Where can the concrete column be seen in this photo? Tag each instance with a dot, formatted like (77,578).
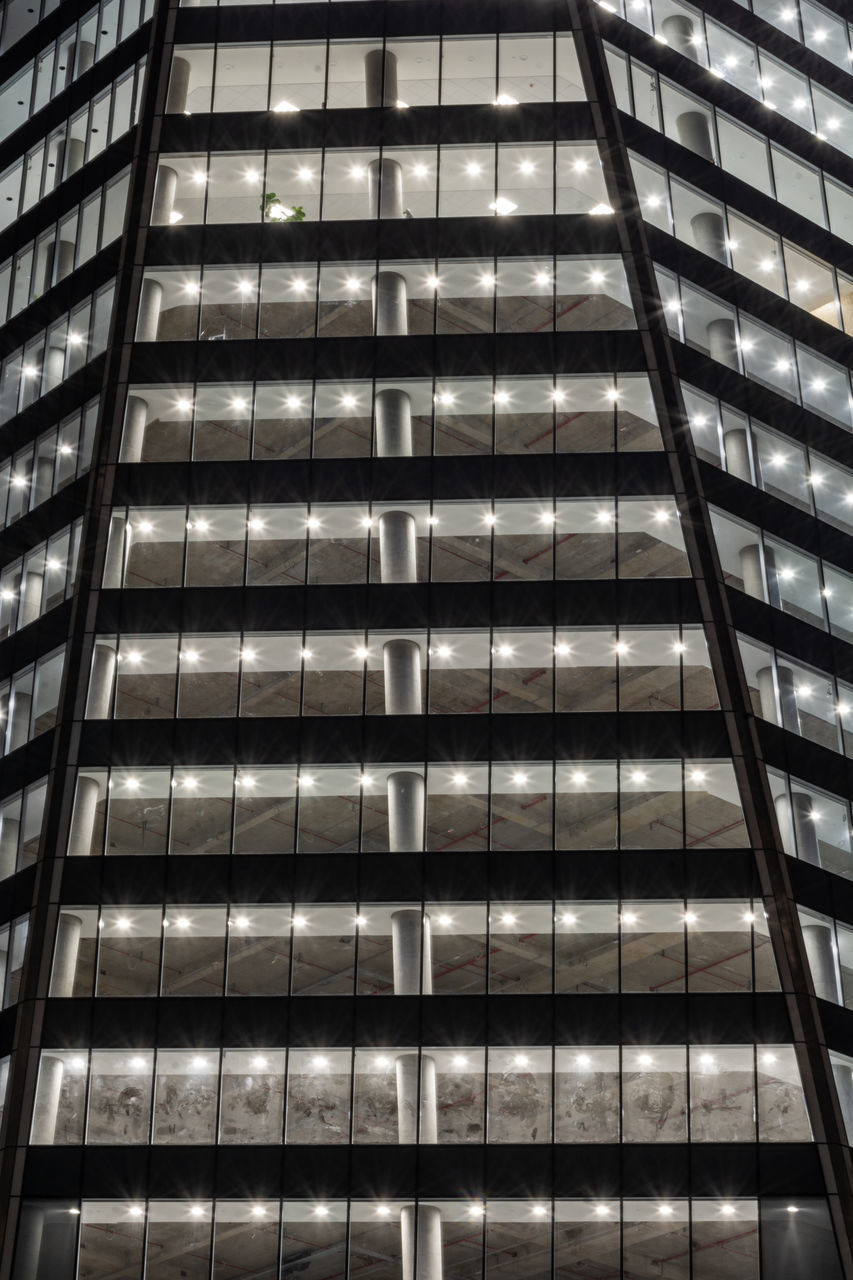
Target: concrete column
(694,131)
(380,79)
(54,367)
(799,832)
(393,417)
(64,259)
(102,681)
(722,342)
(10,832)
(70,156)
(165,186)
(179,84)
(405,811)
(398,547)
(385,189)
(118,547)
(85,57)
(788,698)
(83,819)
(135,422)
(19,719)
(32,591)
(150,302)
(678,30)
(390,319)
(420,1232)
(68,933)
(736,445)
(402,662)
(767,694)
(411,949)
(821,957)
(774,593)
(47,1101)
(844,1084)
(709,234)
(407,1099)
(751,571)
(28,1242)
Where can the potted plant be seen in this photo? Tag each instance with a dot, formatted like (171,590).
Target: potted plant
(274,211)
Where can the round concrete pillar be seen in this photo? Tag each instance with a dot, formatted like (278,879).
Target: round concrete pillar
(405,811)
(32,593)
(413,1096)
(102,682)
(135,422)
(736,445)
(411,950)
(788,698)
(678,30)
(28,1242)
(797,827)
(380,79)
(85,56)
(402,663)
(722,342)
(179,84)
(751,571)
(20,710)
(385,189)
(393,416)
(118,547)
(767,694)
(420,1238)
(844,1084)
(82,828)
(68,933)
(398,547)
(165,186)
(10,833)
(54,367)
(47,1101)
(821,957)
(390,319)
(709,234)
(70,156)
(694,131)
(150,302)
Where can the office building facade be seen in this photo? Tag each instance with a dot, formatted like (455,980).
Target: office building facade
(425,615)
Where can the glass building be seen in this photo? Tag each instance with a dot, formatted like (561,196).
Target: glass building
(425,809)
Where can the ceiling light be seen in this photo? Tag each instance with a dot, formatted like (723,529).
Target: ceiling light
(503,205)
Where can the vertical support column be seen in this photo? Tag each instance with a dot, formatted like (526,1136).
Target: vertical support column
(118,549)
(411,950)
(709,234)
(83,819)
(722,342)
(32,593)
(85,57)
(165,186)
(47,1100)
(54,366)
(787,715)
(179,85)
(820,951)
(752,572)
(407,1099)
(393,421)
(420,1229)
(380,79)
(64,254)
(694,132)
(135,422)
(398,555)
(10,834)
(20,711)
(390,319)
(68,933)
(402,665)
(100,701)
(405,811)
(736,445)
(678,31)
(28,1242)
(150,302)
(797,826)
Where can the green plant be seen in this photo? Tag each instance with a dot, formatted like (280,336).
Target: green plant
(273,209)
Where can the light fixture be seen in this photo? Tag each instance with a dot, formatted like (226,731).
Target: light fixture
(503,205)
(727,1210)
(304,174)
(791,1208)
(539,1211)
(601,1210)
(321,1210)
(459,779)
(505,100)
(199,1063)
(319,1061)
(459,1060)
(666,1210)
(508,918)
(285,108)
(182,922)
(521,1060)
(382,1062)
(432,282)
(527,167)
(473,169)
(122,922)
(420,170)
(258,1211)
(583,1059)
(305,780)
(259,1062)
(445,920)
(136,1211)
(382,1210)
(637,775)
